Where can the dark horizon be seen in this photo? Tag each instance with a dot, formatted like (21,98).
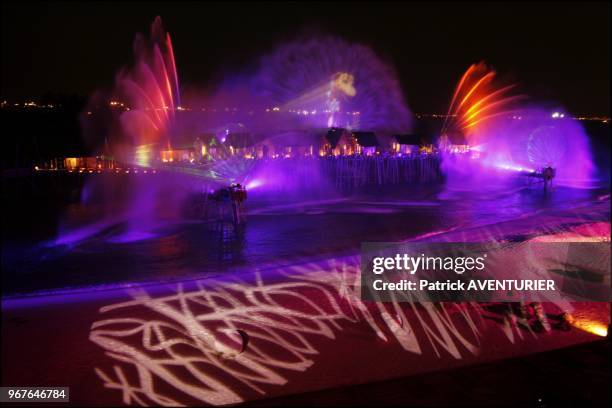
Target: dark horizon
(556,52)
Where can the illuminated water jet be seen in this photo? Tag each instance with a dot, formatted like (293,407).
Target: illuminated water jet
(142,106)
(476,99)
(150,89)
(507,141)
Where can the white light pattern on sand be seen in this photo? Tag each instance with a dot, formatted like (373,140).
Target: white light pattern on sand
(250,332)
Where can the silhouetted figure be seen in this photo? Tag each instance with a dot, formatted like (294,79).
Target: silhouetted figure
(238,196)
(548,174)
(234,197)
(532,315)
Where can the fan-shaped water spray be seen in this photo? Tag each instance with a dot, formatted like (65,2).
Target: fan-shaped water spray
(150,89)
(324,81)
(537,140)
(144,99)
(507,141)
(477,98)
(546,146)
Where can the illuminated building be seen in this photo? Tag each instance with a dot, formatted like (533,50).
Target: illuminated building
(341,142)
(178,154)
(88,163)
(367,143)
(406,144)
(240,144)
(411,144)
(453,143)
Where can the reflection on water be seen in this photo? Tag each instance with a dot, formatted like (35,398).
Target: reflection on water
(100,253)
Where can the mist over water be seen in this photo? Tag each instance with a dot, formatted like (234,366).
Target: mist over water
(321,73)
(509,140)
(506,150)
(141,121)
(297,91)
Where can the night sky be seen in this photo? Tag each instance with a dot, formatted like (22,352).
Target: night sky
(555,51)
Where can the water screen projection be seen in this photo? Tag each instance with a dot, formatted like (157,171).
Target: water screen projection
(298,91)
(325,81)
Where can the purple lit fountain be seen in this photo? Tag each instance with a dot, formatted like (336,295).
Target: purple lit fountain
(534,138)
(304,88)
(324,81)
(489,141)
(289,133)
(143,105)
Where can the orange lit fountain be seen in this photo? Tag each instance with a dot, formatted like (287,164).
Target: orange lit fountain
(476,99)
(150,89)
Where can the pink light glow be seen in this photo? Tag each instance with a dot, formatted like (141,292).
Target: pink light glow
(151,91)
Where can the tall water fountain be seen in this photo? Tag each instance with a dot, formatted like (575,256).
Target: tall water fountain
(509,141)
(143,101)
(150,89)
